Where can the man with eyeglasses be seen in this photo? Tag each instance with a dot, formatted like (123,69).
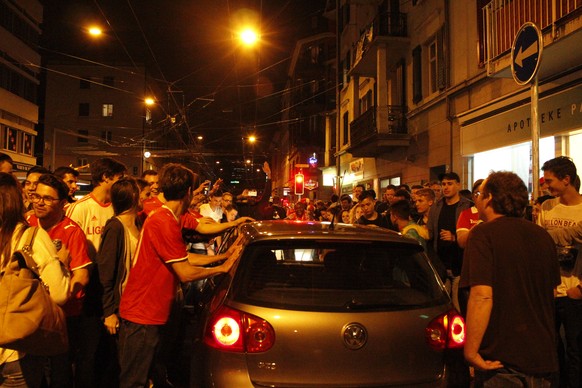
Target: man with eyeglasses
(49,200)
(30,182)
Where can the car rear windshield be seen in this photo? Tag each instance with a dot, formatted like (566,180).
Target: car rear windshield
(337,276)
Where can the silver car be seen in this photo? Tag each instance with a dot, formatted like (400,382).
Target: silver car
(311,304)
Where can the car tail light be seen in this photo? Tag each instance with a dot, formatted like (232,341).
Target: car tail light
(232,330)
(447,331)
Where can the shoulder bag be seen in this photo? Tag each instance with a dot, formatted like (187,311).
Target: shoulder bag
(30,321)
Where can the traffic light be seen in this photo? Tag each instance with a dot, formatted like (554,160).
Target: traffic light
(299,184)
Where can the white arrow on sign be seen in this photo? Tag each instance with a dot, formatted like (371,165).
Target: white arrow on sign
(523,54)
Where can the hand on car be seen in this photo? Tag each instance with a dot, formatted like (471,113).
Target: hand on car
(242,220)
(478,362)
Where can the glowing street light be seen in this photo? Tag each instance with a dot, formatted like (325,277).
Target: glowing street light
(149,101)
(252,139)
(249,37)
(95,31)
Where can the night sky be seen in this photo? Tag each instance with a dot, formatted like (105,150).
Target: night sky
(191,46)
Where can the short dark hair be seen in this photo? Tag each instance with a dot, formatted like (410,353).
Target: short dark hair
(476,185)
(401,209)
(416,187)
(450,176)
(346,197)
(37,170)
(402,193)
(105,168)
(368,194)
(56,183)
(362,186)
(404,186)
(561,167)
(176,180)
(64,170)
(5,158)
(142,183)
(391,187)
(149,172)
(509,196)
(124,195)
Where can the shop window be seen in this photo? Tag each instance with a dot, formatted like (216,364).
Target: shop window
(107,110)
(84,109)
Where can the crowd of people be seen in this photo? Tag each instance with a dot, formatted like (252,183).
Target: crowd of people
(133,247)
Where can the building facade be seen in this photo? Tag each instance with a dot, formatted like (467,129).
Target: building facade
(20,64)
(95,111)
(425,87)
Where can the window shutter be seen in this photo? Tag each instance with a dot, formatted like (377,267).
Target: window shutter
(416,75)
(441,60)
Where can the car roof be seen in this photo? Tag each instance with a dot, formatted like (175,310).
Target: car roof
(309,230)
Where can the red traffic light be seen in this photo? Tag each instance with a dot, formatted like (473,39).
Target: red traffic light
(299,184)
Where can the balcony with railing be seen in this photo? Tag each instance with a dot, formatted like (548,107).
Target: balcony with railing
(389,30)
(559,20)
(369,138)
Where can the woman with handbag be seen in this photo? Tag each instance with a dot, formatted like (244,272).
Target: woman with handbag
(35,248)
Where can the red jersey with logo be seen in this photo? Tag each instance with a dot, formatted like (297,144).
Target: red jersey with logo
(91,215)
(152,284)
(468,219)
(67,234)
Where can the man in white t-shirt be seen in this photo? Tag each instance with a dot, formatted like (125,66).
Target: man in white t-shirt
(563,211)
(213,209)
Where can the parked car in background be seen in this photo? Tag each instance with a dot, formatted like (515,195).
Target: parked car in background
(311,304)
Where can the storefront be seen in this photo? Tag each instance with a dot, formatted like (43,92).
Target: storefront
(498,136)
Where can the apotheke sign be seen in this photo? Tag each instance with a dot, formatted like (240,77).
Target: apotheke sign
(558,113)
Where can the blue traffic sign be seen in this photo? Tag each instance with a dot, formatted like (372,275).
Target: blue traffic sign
(526,53)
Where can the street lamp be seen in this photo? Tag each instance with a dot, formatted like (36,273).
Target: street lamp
(95,31)
(249,37)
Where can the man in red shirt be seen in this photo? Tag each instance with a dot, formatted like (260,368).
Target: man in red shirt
(49,200)
(161,262)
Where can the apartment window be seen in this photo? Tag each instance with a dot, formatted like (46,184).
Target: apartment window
(106,135)
(84,83)
(84,138)
(416,75)
(84,109)
(82,163)
(346,128)
(11,140)
(27,143)
(107,110)
(109,81)
(432,66)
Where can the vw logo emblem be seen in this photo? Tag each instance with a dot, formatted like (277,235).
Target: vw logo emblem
(355,336)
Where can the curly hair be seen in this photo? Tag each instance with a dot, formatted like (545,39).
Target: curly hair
(509,195)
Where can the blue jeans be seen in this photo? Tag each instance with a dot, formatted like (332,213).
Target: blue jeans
(137,347)
(510,378)
(569,315)
(25,373)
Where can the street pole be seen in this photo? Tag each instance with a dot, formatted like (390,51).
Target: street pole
(535,139)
